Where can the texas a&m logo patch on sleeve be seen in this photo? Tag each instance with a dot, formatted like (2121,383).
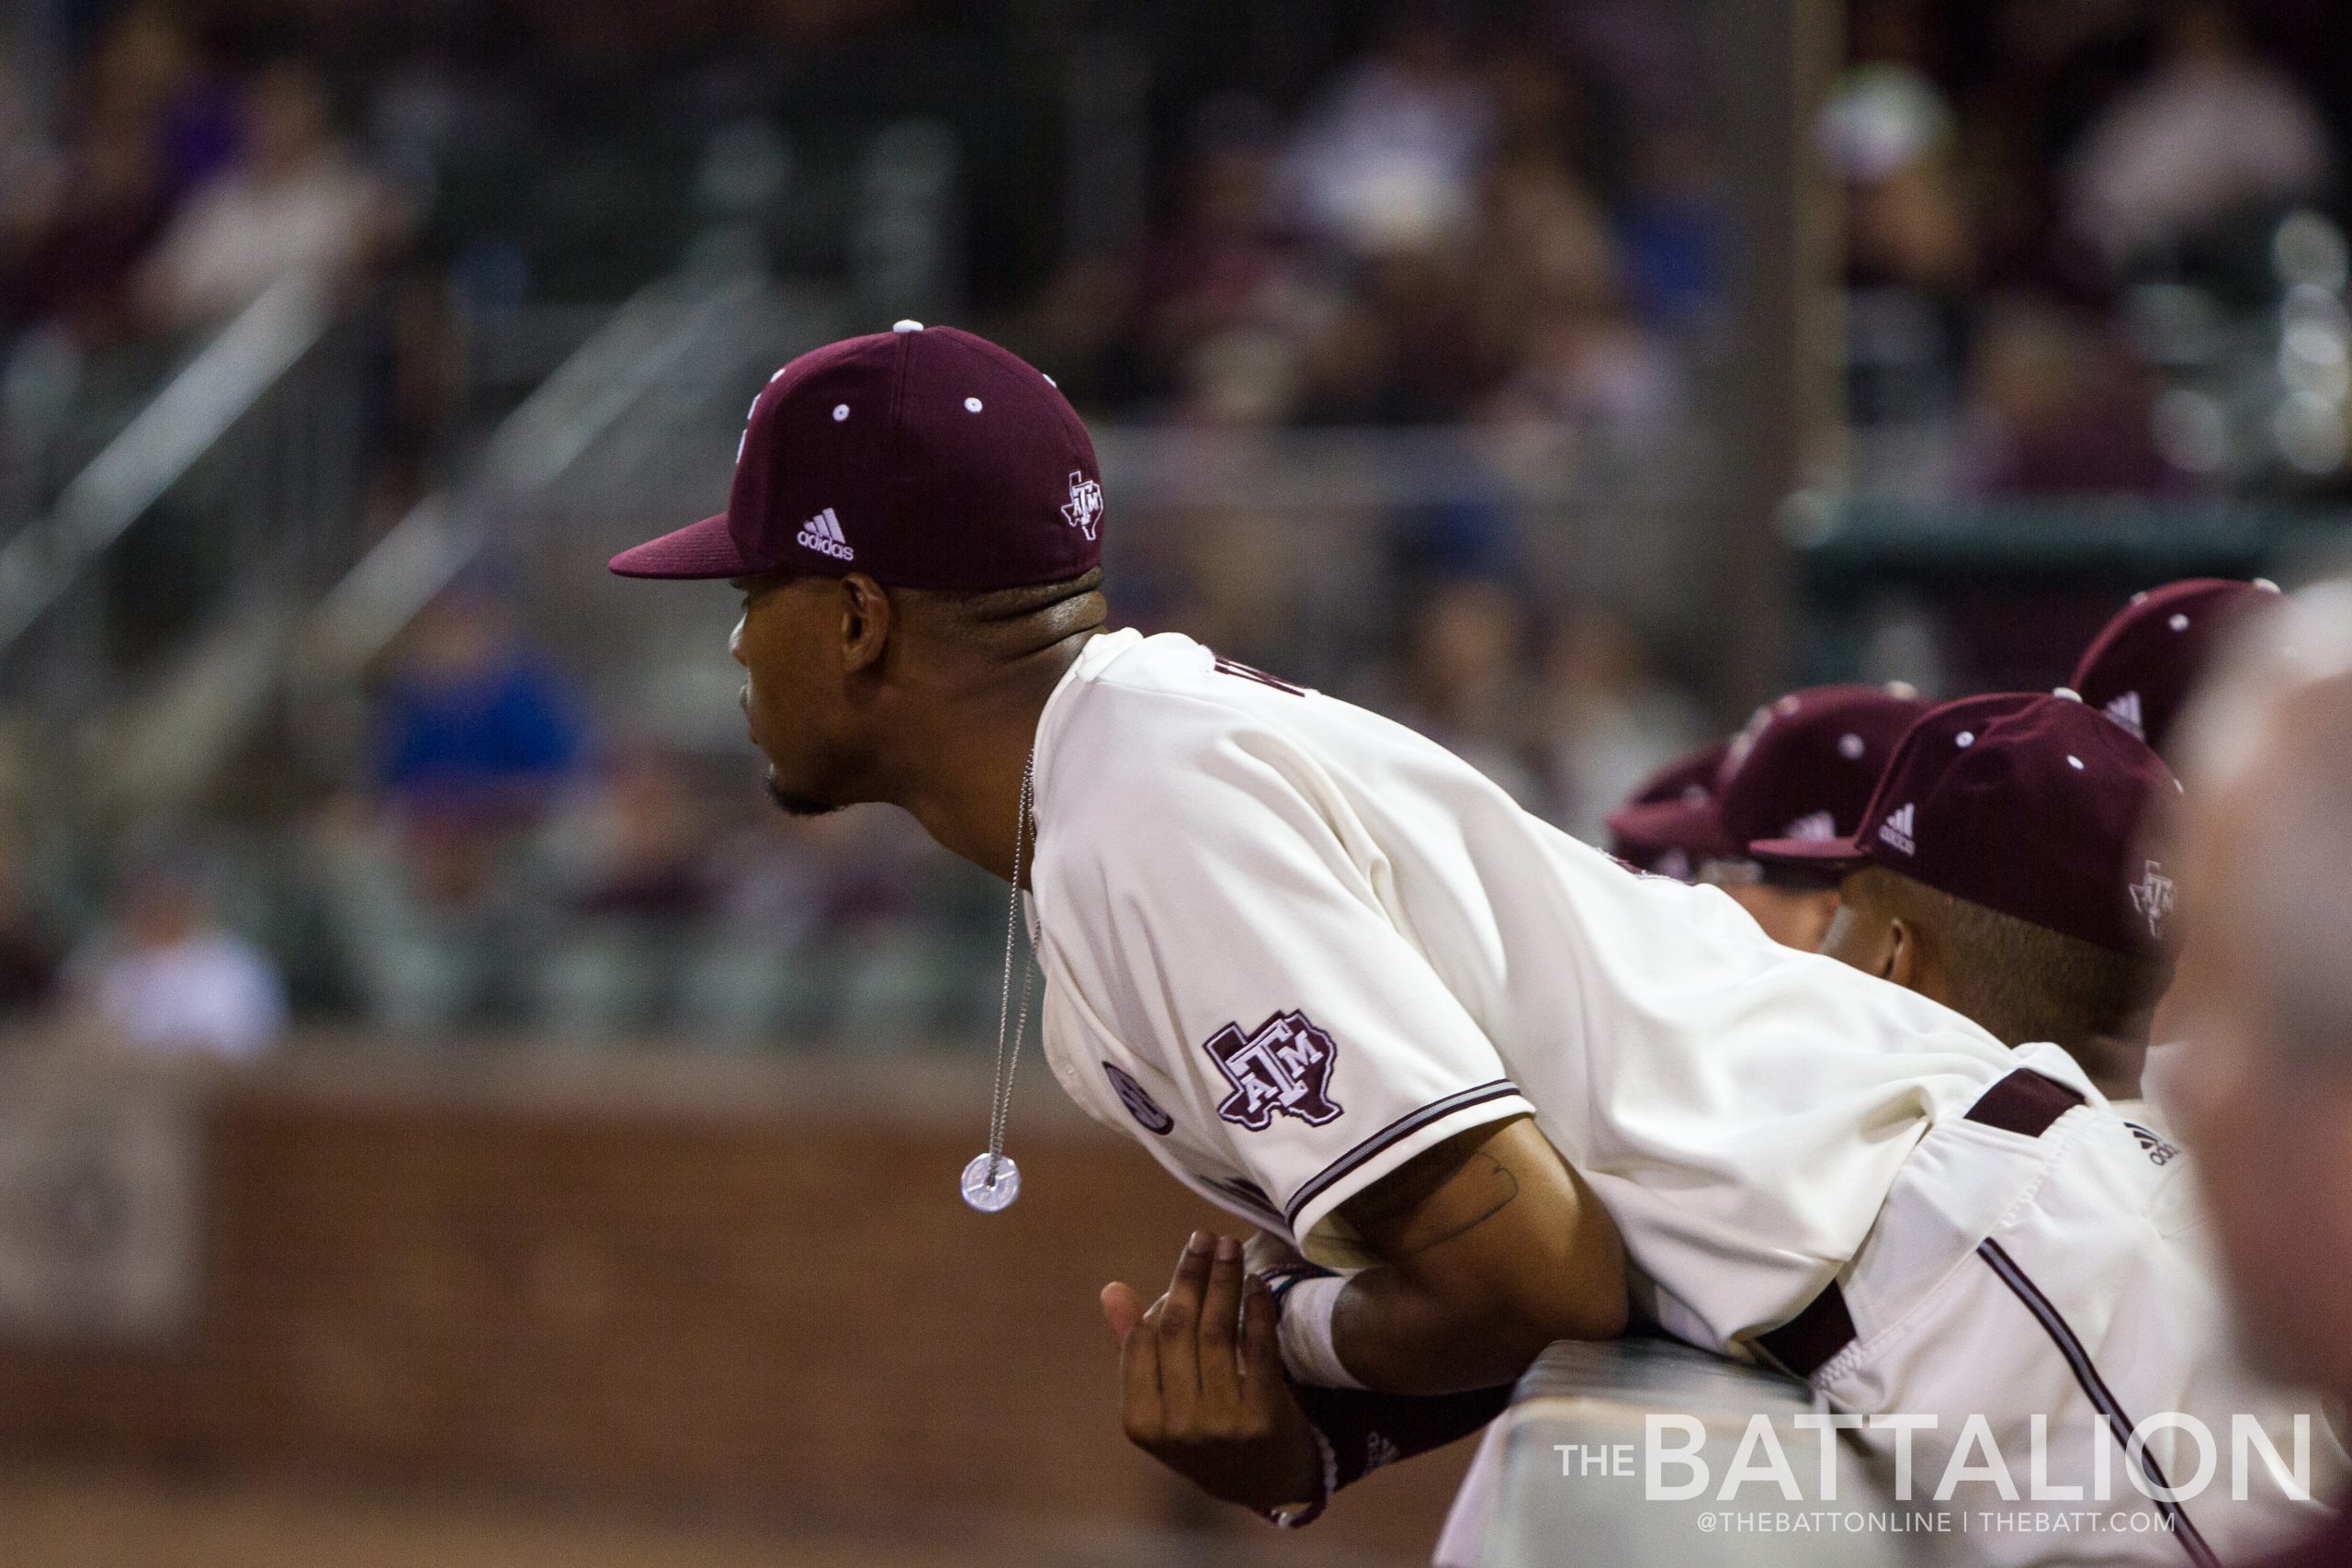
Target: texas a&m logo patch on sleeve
(1283,1064)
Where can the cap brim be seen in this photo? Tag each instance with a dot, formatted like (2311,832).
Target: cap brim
(704,549)
(1691,825)
(1821,854)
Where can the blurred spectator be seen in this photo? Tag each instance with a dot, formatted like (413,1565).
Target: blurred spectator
(1890,133)
(2212,131)
(2059,405)
(293,202)
(474,722)
(633,873)
(837,926)
(1550,302)
(1611,721)
(1402,349)
(1892,137)
(72,262)
(1674,231)
(1213,266)
(439,917)
(1466,685)
(442,893)
(169,978)
(1386,159)
(637,847)
(148,64)
(29,956)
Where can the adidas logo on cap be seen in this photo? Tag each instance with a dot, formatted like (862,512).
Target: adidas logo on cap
(1897,829)
(822,533)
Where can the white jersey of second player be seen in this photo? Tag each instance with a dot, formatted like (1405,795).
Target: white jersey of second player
(1289,944)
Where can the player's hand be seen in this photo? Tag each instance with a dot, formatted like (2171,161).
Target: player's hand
(1203,1386)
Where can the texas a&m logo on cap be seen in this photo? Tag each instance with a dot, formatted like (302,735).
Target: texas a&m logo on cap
(1084,512)
(1283,1064)
(2151,897)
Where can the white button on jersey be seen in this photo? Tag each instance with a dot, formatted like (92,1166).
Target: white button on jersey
(1289,944)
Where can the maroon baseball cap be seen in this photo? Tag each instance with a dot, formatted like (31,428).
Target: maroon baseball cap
(2033,805)
(1683,782)
(923,457)
(2140,669)
(1802,767)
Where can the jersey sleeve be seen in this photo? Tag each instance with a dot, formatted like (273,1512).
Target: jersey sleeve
(1233,926)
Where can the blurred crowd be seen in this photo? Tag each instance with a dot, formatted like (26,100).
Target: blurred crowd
(179,195)
(2087,248)
(511,860)
(175,190)
(2093,248)
(1484,218)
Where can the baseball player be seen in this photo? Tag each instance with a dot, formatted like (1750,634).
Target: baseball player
(2143,665)
(1802,767)
(1686,781)
(2141,670)
(2265,989)
(2015,888)
(1341,985)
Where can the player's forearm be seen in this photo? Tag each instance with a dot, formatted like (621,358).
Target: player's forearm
(1396,1333)
(1493,1249)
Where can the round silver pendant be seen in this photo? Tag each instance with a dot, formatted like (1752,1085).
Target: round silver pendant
(991,1196)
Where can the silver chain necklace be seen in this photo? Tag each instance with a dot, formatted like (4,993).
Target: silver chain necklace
(991,1181)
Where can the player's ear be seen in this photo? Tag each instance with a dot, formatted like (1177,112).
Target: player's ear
(1901,963)
(864,623)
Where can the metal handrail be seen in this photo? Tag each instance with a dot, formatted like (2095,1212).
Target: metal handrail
(178,425)
(441,534)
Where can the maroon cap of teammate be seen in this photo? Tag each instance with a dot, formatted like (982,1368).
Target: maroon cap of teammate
(1803,767)
(2032,806)
(922,456)
(1686,781)
(2140,669)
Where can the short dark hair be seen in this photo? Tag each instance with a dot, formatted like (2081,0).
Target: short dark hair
(2019,981)
(995,606)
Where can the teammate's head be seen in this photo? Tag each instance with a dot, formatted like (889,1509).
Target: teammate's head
(2020,982)
(2000,869)
(1687,781)
(915,517)
(2263,1090)
(1802,767)
(2143,665)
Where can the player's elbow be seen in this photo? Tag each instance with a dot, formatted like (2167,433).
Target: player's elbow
(1584,1298)
(1575,1294)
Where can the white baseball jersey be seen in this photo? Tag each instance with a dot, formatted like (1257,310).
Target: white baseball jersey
(1288,944)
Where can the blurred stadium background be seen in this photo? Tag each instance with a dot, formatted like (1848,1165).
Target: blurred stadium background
(446,1117)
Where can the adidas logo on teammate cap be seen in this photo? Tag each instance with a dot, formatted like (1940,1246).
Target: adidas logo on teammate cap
(822,533)
(1896,830)
(2125,711)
